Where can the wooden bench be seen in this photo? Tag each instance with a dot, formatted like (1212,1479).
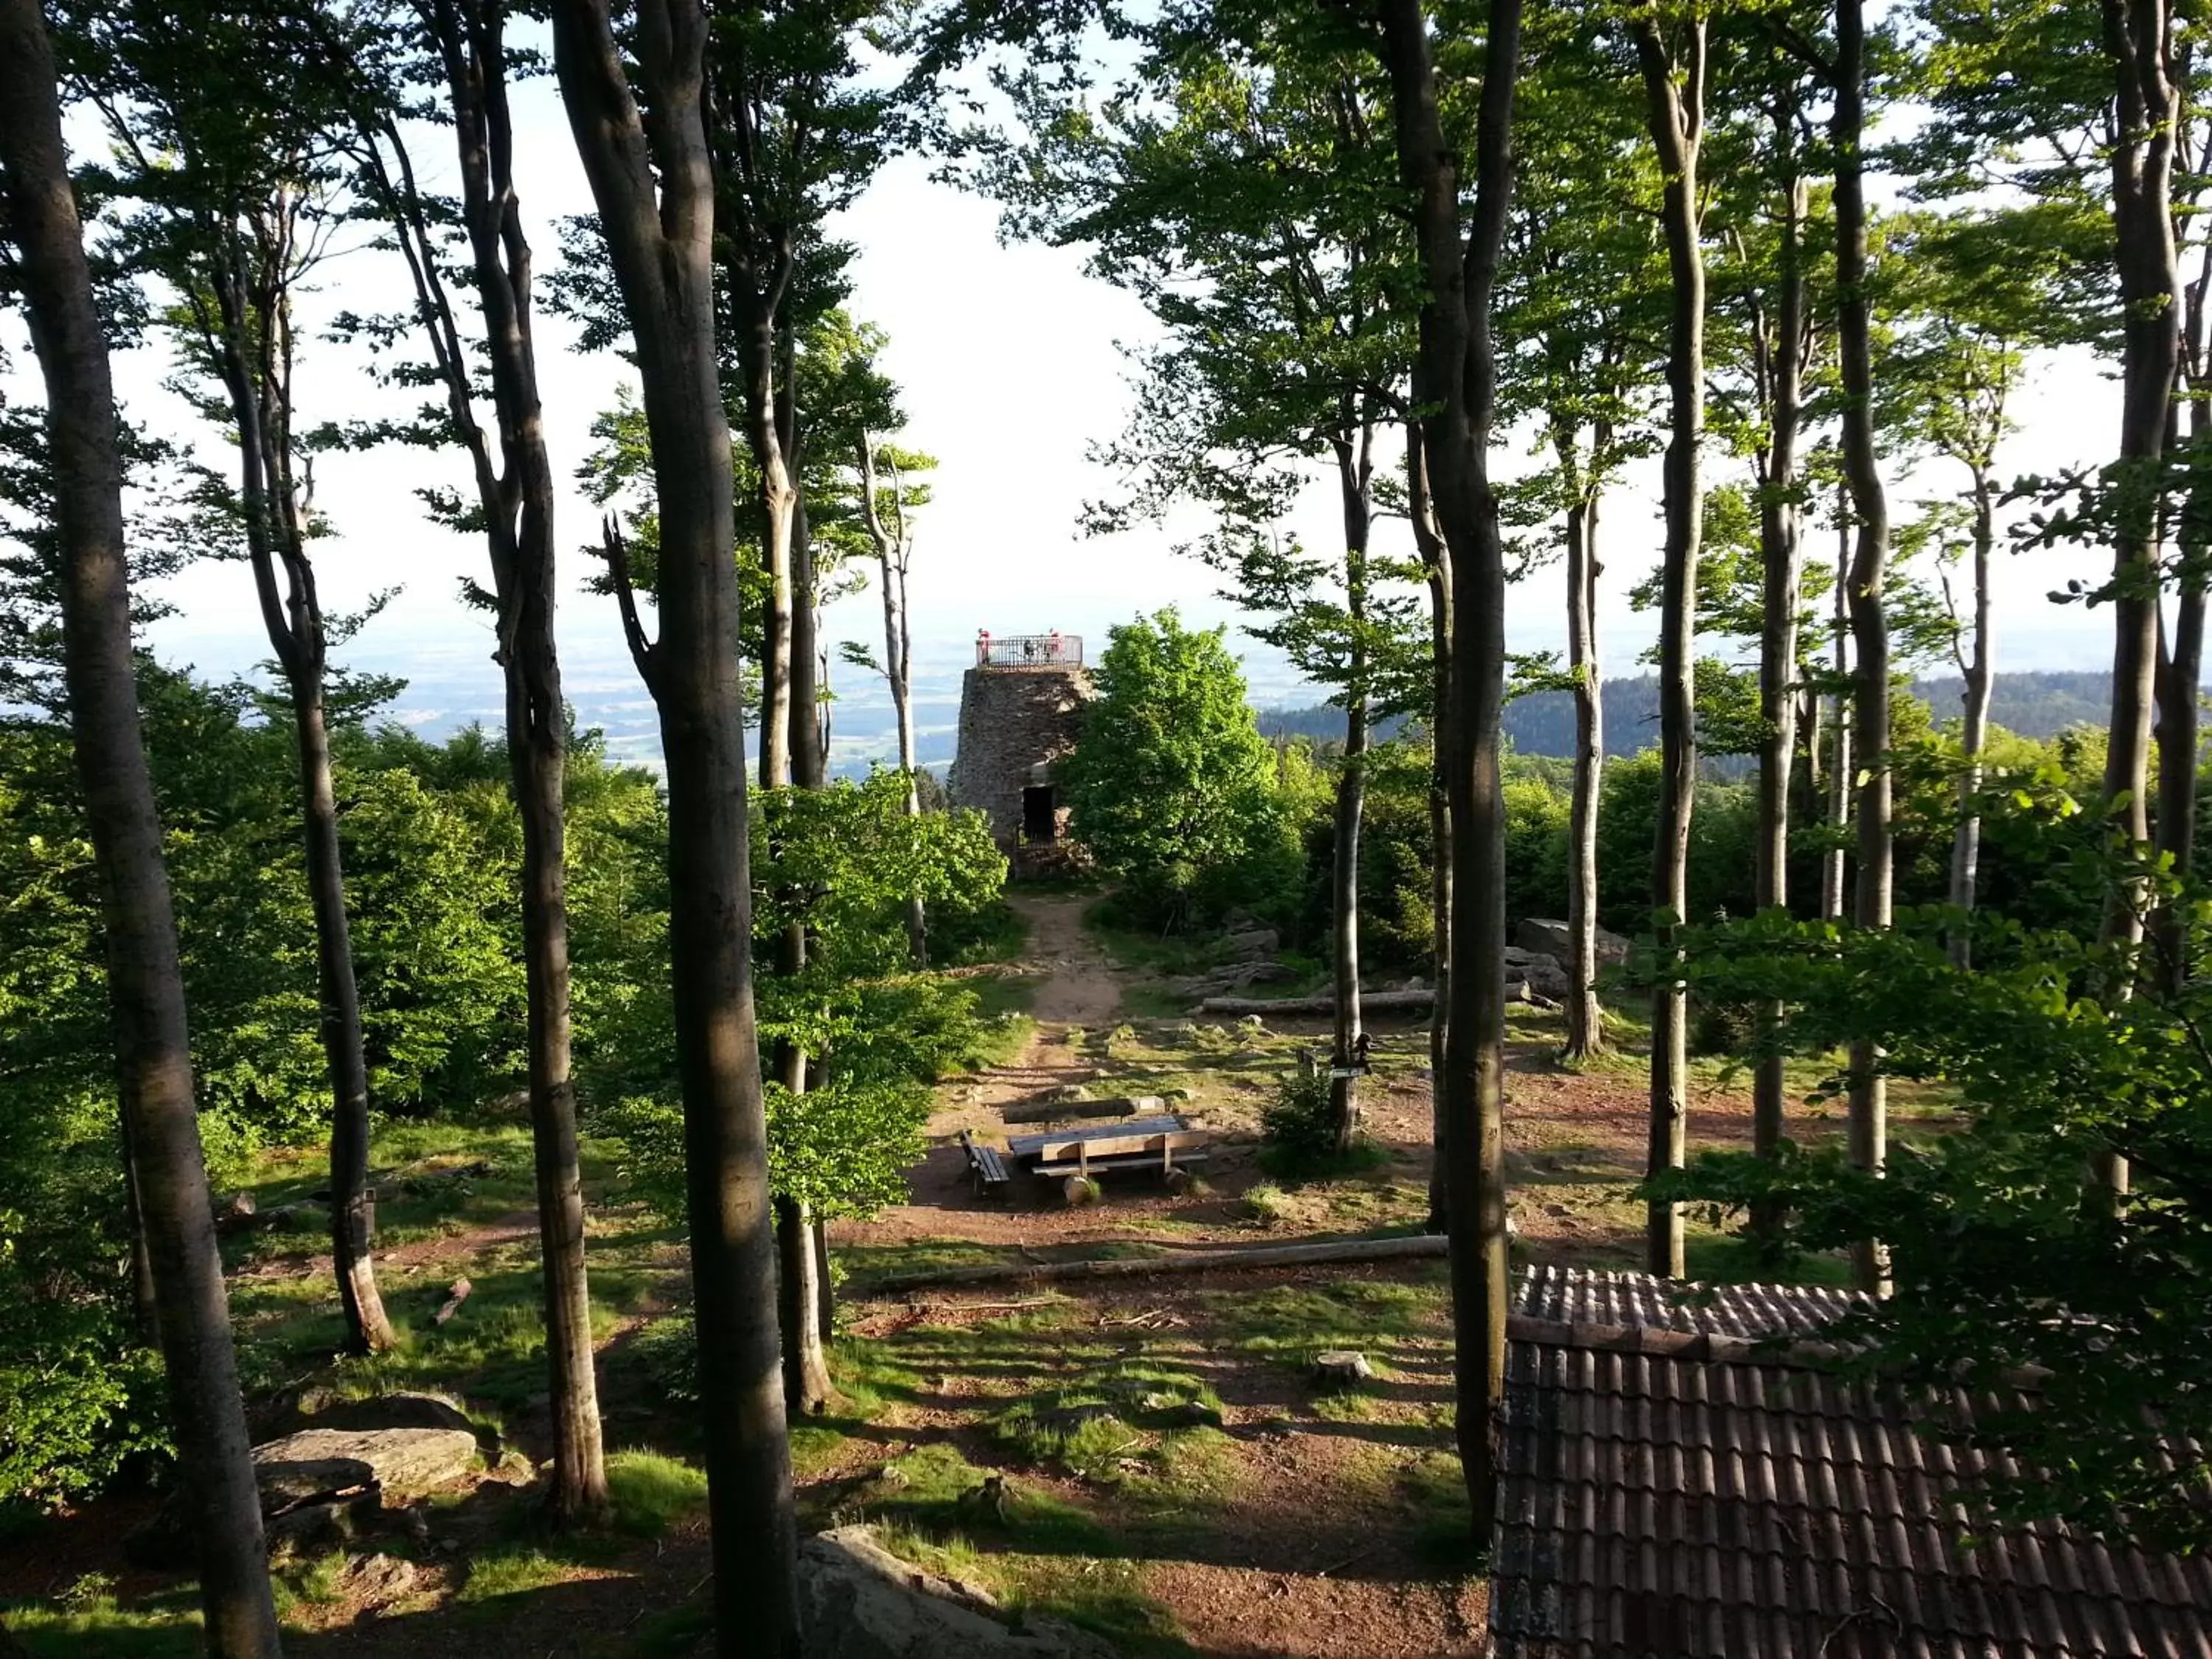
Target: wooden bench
(985,1167)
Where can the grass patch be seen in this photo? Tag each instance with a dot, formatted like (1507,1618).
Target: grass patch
(648,1492)
(1715,1258)
(515,1571)
(102,1627)
(1293,1323)
(1096,1422)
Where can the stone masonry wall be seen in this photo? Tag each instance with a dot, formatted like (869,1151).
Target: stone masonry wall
(1011,721)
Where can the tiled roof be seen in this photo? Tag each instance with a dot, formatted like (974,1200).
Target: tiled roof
(1690,1498)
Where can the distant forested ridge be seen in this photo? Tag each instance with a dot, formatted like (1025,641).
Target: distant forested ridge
(2032,705)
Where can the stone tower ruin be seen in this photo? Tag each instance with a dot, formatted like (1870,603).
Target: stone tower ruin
(1020,709)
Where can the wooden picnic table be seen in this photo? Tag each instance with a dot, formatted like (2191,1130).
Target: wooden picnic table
(1099,1140)
(1151,1142)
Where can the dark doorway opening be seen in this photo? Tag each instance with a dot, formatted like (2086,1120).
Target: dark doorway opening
(1040,814)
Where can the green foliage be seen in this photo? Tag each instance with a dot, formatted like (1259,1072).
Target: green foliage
(1299,1127)
(1172,786)
(1989,1227)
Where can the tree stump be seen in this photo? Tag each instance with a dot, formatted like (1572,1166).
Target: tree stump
(1341,1368)
(1080,1190)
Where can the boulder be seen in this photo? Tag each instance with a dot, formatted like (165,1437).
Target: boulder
(1542,974)
(858,1600)
(1545,936)
(1252,944)
(318,1460)
(414,1409)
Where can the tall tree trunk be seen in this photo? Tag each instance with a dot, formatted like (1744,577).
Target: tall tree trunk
(145,981)
(1875,846)
(253,341)
(1676,112)
(1456,383)
(353,1209)
(806,1387)
(1351,799)
(2180,732)
(1835,865)
(516,501)
(767,395)
(2138,39)
(1585,1016)
(656,198)
(1974,728)
(1782,577)
(1421,510)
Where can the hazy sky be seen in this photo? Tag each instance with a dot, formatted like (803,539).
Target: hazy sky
(1008,360)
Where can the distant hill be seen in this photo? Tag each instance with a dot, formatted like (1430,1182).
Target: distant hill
(2034,705)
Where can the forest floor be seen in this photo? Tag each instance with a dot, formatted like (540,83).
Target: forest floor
(1225,1507)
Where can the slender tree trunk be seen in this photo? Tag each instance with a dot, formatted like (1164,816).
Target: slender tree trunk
(655,197)
(2138,39)
(891,560)
(1782,577)
(810,765)
(1677,116)
(353,1208)
(1835,866)
(145,980)
(517,507)
(1974,729)
(806,1387)
(1869,1127)
(766,393)
(2180,731)
(1585,1016)
(1422,512)
(1454,381)
(255,360)
(145,1303)
(1351,805)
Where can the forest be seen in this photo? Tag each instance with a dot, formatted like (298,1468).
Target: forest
(1515,1159)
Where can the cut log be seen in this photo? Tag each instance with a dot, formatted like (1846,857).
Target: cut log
(1052,1111)
(1273,1255)
(1370,1002)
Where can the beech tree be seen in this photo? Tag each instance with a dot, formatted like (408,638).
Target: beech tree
(39,217)
(1961,355)
(513,500)
(1578,293)
(222,128)
(655,192)
(1870,691)
(1461,246)
(1671,52)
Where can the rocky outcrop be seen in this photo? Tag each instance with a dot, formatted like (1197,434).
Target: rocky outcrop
(858,1600)
(1545,936)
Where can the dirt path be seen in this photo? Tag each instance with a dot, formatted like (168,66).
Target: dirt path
(1079,987)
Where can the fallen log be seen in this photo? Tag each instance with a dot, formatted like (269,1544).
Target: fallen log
(1052,1111)
(1370,1002)
(1198,1262)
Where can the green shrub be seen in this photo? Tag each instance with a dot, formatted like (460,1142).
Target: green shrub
(1299,1123)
